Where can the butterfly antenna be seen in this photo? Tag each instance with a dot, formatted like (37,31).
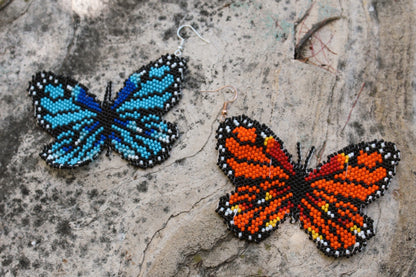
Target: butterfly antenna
(108,151)
(107,96)
(308,159)
(299,154)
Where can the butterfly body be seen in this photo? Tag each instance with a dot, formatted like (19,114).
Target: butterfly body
(327,201)
(296,184)
(131,123)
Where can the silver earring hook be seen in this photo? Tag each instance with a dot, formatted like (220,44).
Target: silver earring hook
(226,103)
(178,52)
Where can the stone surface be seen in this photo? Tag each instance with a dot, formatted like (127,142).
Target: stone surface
(111,219)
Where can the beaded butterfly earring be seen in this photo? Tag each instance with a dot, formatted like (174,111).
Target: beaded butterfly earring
(327,201)
(130,124)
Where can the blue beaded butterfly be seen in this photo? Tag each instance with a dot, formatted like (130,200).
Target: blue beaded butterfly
(131,124)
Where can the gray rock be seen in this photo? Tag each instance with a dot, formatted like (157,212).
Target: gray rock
(111,219)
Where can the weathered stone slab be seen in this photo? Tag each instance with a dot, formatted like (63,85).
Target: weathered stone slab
(355,82)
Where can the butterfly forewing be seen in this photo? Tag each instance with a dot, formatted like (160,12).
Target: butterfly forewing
(66,110)
(138,132)
(256,163)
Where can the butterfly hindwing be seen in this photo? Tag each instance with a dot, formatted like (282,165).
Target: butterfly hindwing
(259,167)
(332,210)
(138,132)
(66,110)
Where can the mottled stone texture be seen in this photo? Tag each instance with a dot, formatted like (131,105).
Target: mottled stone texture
(111,219)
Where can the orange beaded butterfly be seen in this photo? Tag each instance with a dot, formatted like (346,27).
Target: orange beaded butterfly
(327,201)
